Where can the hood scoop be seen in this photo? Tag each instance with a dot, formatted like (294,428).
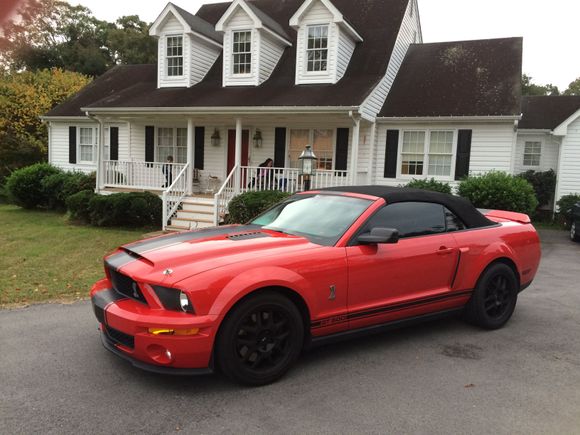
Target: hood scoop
(248,236)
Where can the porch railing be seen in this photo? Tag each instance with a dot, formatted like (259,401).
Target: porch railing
(174,195)
(253,178)
(140,175)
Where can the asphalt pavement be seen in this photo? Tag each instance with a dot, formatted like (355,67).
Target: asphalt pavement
(436,378)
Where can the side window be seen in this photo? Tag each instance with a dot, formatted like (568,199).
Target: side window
(410,218)
(452,222)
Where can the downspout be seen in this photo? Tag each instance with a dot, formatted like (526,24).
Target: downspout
(356,118)
(99,151)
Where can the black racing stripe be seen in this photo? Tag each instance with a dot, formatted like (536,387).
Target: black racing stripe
(101,300)
(119,260)
(161,242)
(390,308)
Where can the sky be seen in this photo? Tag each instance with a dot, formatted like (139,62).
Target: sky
(551,29)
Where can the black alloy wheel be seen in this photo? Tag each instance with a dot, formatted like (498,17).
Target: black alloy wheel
(260,339)
(574,232)
(494,298)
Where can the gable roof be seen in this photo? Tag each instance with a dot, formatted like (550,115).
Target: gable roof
(379,23)
(192,23)
(547,112)
(463,78)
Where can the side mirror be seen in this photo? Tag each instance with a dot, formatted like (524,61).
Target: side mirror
(379,236)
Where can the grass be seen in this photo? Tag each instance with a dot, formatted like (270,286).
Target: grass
(44,257)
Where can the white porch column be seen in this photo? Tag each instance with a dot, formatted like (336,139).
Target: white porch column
(190,155)
(354,150)
(100,164)
(373,145)
(238,155)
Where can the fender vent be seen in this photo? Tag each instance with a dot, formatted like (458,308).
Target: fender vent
(248,236)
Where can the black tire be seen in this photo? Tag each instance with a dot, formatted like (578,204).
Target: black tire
(260,339)
(574,236)
(494,298)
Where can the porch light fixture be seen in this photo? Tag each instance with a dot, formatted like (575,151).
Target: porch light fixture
(307,165)
(216,140)
(258,139)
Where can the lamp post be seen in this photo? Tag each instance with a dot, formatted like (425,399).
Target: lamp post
(307,166)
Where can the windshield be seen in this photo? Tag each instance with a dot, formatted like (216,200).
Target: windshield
(323,219)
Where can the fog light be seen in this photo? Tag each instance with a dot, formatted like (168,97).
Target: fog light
(162,331)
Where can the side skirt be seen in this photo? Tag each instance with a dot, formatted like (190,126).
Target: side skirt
(377,329)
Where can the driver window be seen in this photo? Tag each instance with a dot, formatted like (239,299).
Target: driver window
(411,219)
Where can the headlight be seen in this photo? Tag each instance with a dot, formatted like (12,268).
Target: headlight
(174,299)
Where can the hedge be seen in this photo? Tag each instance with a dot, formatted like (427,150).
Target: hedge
(136,209)
(432,184)
(544,184)
(245,207)
(25,186)
(565,204)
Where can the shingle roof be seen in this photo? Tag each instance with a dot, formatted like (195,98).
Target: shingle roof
(199,25)
(463,78)
(547,113)
(378,22)
(268,21)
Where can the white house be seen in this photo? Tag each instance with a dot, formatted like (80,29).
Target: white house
(240,82)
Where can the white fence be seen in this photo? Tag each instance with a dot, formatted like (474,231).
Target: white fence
(140,175)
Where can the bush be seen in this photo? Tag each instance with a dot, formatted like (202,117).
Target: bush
(78,205)
(565,204)
(25,185)
(245,207)
(544,184)
(126,209)
(498,190)
(432,184)
(59,187)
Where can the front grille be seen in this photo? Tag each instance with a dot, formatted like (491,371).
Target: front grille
(126,286)
(119,337)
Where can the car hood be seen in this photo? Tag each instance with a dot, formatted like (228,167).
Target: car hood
(169,259)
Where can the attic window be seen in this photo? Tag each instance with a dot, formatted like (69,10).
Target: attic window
(242,51)
(174,56)
(317,50)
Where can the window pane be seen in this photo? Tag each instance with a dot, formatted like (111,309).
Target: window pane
(410,218)
(242,53)
(413,153)
(532,153)
(298,141)
(174,56)
(440,153)
(453,222)
(317,49)
(323,148)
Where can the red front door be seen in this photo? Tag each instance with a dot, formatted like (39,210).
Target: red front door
(232,148)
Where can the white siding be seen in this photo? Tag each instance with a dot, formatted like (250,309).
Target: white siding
(346,48)
(548,158)
(240,20)
(569,171)
(270,51)
(172,27)
(203,56)
(491,149)
(409,28)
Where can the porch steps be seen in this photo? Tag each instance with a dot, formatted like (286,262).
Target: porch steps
(196,212)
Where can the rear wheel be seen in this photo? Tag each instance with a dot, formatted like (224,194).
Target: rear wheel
(494,298)
(260,339)
(574,232)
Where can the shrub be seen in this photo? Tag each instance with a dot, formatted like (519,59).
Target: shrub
(565,204)
(59,187)
(498,190)
(544,184)
(126,209)
(245,207)
(432,184)
(3,194)
(25,185)
(78,205)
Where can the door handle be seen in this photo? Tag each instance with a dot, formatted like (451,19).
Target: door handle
(444,250)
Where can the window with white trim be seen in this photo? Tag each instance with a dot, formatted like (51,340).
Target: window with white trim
(172,142)
(427,153)
(87,144)
(242,52)
(317,49)
(322,142)
(532,153)
(174,56)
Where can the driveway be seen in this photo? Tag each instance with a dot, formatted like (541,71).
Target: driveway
(442,377)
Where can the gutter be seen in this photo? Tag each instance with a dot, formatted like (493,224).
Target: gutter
(484,118)
(222,110)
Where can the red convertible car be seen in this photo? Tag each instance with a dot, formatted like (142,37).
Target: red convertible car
(317,267)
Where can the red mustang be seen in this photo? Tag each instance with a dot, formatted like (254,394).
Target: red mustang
(320,266)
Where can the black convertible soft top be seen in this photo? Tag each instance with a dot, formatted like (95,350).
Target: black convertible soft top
(470,216)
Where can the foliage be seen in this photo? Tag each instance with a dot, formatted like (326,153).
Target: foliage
(544,184)
(78,205)
(126,210)
(498,190)
(566,202)
(531,89)
(25,186)
(245,207)
(573,88)
(17,152)
(129,42)
(59,187)
(432,184)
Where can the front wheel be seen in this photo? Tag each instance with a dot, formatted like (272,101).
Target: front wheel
(574,232)
(494,298)
(260,339)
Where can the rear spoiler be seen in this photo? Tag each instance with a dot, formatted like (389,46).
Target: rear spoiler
(507,215)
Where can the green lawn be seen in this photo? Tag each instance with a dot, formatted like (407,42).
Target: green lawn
(43,257)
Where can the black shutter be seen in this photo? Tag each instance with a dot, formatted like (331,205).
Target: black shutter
(72,144)
(341,149)
(114,143)
(463,154)
(391,153)
(199,147)
(280,147)
(149,143)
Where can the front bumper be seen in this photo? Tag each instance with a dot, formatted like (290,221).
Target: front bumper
(124,324)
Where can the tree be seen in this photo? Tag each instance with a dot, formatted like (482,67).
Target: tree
(128,41)
(530,89)
(573,88)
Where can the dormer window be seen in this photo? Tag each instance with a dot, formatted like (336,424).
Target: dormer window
(242,52)
(174,56)
(317,49)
